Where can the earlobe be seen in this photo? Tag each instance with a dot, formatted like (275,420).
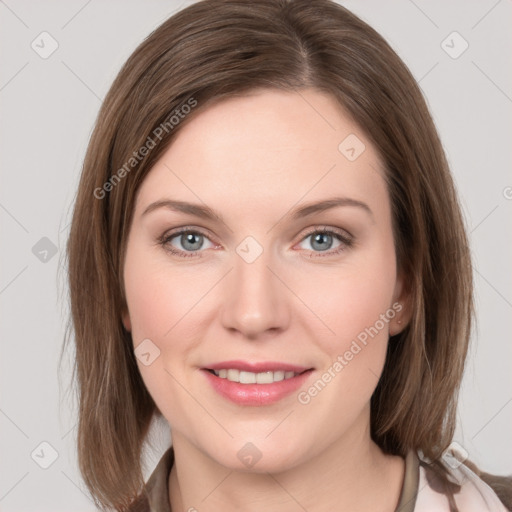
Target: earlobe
(400,321)
(396,326)
(402,307)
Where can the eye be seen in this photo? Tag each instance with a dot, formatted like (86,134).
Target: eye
(323,239)
(185,242)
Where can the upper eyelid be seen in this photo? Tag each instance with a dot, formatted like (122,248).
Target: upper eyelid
(329,229)
(185,229)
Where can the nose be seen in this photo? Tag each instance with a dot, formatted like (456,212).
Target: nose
(255,299)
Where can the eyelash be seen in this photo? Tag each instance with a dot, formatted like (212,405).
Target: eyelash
(345,239)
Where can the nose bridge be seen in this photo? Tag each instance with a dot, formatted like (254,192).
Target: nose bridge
(255,300)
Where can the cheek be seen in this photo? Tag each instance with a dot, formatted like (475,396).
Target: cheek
(358,310)
(160,303)
(355,304)
(159,296)
(169,306)
(353,300)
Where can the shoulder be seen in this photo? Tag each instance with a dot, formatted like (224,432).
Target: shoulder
(475,491)
(470,492)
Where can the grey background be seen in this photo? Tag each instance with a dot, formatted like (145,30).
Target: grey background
(48,110)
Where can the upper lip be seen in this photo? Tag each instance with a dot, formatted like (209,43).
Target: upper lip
(258,367)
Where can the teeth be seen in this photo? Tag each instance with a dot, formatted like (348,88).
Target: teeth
(233,375)
(253,378)
(247,378)
(278,376)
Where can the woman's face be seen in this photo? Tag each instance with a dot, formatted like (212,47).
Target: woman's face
(253,285)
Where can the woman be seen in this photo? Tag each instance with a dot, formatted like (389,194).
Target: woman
(268,252)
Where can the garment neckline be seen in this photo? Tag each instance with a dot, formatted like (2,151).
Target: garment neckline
(157,485)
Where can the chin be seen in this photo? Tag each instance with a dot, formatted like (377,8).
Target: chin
(257,456)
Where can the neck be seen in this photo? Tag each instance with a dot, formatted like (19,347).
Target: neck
(350,474)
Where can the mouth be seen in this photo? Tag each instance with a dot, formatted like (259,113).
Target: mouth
(244,377)
(255,383)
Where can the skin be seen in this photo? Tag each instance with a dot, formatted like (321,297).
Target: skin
(254,160)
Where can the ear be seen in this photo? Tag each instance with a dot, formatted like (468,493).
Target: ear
(125,317)
(402,305)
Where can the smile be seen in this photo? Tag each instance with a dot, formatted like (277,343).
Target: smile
(243,377)
(255,384)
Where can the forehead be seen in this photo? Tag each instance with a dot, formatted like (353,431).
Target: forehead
(264,149)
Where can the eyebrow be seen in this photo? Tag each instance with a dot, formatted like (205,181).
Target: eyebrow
(205,212)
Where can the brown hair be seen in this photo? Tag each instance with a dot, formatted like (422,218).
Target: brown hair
(217,49)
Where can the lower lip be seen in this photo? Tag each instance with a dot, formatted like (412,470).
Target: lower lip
(256,394)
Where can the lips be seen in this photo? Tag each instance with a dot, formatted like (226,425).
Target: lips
(260,367)
(259,383)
